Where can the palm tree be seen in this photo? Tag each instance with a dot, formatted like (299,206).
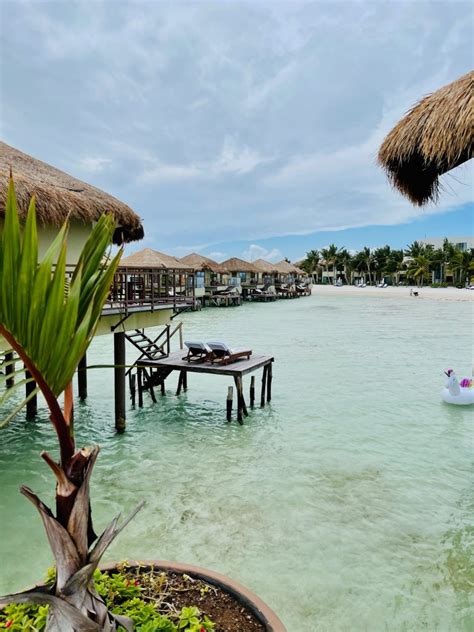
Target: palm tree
(365,258)
(414,250)
(462,264)
(49,328)
(419,269)
(394,264)
(312,262)
(330,256)
(344,259)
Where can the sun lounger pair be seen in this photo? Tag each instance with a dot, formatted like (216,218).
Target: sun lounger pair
(214,352)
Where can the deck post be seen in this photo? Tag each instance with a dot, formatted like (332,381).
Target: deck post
(9,369)
(252,391)
(119,380)
(82,378)
(262,392)
(32,404)
(269,383)
(163,387)
(241,407)
(140,387)
(180,382)
(230,397)
(133,387)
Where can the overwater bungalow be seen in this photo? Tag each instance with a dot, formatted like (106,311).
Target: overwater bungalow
(152,277)
(128,310)
(244,276)
(211,277)
(59,196)
(267,272)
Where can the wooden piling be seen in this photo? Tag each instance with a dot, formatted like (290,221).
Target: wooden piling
(269,383)
(32,404)
(119,380)
(82,378)
(133,387)
(180,383)
(264,381)
(252,391)
(163,387)
(241,406)
(140,387)
(185,380)
(9,369)
(230,397)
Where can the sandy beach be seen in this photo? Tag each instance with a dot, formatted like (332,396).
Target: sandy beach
(430,293)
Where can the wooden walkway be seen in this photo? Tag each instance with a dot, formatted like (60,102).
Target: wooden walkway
(153,373)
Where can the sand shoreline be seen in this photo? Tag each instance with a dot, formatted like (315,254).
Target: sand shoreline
(431,293)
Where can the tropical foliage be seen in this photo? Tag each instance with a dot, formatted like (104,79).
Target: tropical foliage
(48,321)
(418,263)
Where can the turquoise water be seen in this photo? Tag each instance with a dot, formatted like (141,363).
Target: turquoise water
(347,504)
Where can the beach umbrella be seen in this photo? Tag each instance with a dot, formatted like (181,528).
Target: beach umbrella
(434,137)
(59,196)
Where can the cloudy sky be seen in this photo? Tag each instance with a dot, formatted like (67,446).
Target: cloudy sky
(236,128)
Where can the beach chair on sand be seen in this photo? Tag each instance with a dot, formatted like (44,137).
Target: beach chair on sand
(197,352)
(222,354)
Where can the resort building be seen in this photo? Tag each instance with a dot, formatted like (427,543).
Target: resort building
(460,243)
(149,277)
(243,275)
(210,276)
(267,273)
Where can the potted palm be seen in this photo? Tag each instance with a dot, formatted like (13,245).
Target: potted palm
(48,323)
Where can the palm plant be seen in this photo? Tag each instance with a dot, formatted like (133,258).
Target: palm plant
(50,328)
(414,250)
(419,269)
(344,259)
(462,264)
(311,262)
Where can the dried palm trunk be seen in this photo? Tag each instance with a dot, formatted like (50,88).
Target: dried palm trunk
(74,604)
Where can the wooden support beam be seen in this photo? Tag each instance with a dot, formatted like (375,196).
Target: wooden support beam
(9,369)
(180,382)
(252,391)
(132,381)
(82,378)
(32,404)
(119,380)
(185,380)
(140,387)
(163,387)
(264,382)
(241,407)
(269,383)
(230,397)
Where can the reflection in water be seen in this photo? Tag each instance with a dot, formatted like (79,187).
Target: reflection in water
(347,504)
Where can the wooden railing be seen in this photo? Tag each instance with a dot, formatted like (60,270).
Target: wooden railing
(148,289)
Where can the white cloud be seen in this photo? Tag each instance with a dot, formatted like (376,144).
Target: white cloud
(231,122)
(93,164)
(232,160)
(255,251)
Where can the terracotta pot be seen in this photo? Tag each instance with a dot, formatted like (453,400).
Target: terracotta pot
(249,600)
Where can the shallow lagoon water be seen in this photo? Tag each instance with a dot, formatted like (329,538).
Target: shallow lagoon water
(347,504)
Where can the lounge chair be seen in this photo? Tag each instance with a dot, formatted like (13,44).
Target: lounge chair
(197,352)
(222,354)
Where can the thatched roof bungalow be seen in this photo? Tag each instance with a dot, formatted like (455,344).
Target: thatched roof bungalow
(201,263)
(247,272)
(59,196)
(152,259)
(264,266)
(435,136)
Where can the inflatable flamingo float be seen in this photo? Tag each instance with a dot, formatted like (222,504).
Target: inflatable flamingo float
(458,392)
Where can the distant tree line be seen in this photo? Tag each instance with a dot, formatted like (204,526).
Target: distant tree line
(418,263)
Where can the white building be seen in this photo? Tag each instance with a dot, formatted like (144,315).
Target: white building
(461,243)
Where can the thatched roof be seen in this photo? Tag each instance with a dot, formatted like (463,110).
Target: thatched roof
(200,262)
(60,196)
(149,258)
(436,136)
(285,268)
(264,266)
(239,265)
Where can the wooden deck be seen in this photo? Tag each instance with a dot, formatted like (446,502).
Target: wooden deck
(153,373)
